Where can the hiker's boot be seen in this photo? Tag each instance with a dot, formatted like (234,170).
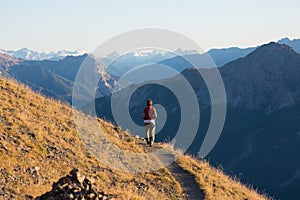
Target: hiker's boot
(150,141)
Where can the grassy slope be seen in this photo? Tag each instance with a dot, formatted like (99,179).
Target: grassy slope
(35,131)
(39,144)
(215,183)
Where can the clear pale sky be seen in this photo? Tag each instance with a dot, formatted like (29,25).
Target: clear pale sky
(53,25)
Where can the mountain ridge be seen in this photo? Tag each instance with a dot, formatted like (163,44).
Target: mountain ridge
(263,96)
(295,43)
(267,64)
(27,54)
(54,78)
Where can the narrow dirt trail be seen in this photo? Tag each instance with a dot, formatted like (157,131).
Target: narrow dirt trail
(187,181)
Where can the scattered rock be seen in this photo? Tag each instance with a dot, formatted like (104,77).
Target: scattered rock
(3,147)
(37,168)
(28,197)
(75,186)
(77,176)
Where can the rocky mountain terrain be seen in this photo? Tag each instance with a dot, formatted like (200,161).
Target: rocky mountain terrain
(261,133)
(39,146)
(262,94)
(295,43)
(7,61)
(262,120)
(55,78)
(269,76)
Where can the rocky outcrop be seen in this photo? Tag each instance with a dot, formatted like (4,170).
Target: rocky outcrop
(75,186)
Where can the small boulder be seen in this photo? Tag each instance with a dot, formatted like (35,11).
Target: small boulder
(75,186)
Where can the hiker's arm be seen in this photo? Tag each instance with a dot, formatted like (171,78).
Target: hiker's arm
(155,113)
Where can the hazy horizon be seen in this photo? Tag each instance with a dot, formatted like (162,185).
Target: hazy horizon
(64,49)
(56,25)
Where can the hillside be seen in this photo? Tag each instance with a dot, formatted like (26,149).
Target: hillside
(39,144)
(54,78)
(260,138)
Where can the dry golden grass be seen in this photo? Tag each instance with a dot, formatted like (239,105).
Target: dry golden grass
(40,132)
(121,139)
(37,131)
(215,183)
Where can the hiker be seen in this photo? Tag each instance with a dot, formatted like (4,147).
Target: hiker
(149,116)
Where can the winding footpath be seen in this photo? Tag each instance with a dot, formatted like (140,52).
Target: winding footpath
(189,186)
(187,182)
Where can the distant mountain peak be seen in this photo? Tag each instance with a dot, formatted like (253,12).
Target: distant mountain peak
(295,43)
(286,39)
(27,54)
(7,60)
(268,70)
(274,49)
(273,44)
(24,49)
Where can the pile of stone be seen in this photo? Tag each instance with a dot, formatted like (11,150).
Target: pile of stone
(75,186)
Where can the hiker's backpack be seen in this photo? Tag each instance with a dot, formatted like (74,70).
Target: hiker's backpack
(149,113)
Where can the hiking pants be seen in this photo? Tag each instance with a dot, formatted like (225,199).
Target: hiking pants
(150,132)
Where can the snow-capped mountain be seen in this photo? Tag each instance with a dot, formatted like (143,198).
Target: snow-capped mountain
(27,54)
(118,65)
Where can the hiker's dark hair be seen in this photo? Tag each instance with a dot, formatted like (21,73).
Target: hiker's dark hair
(149,102)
